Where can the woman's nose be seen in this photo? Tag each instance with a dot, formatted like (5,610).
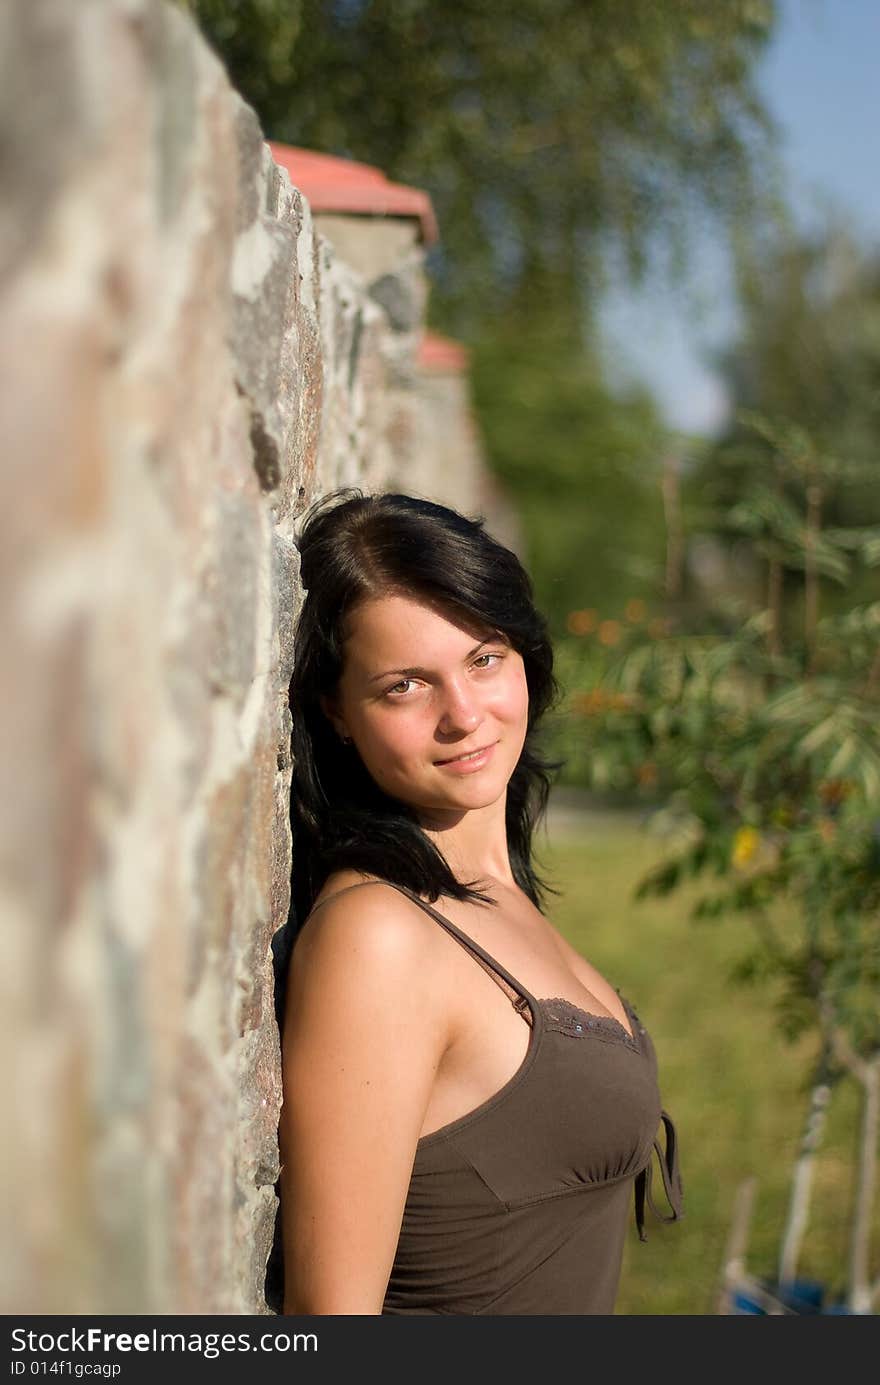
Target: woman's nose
(461,711)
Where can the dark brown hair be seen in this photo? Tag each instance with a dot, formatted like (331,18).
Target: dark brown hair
(354,546)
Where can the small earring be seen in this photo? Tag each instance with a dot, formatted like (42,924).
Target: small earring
(346,740)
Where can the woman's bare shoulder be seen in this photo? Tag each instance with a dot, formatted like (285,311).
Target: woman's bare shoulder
(340,880)
(362,928)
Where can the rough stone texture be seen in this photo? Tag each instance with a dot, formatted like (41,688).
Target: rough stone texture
(438,452)
(448,460)
(184,364)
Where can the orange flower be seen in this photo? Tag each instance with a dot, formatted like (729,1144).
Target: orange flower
(609,632)
(833,791)
(635,609)
(597,700)
(589,702)
(581,622)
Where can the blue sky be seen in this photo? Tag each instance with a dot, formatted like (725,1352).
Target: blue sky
(821,80)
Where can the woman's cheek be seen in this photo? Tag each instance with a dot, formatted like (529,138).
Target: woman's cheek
(515,703)
(394,734)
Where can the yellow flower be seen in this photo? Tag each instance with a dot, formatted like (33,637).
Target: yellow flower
(745,846)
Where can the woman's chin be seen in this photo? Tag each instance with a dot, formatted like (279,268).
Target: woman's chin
(462,797)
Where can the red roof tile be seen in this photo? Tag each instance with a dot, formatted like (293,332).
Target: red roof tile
(441,353)
(342,185)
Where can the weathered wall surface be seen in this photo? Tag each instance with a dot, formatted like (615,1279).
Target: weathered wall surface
(448,462)
(184,364)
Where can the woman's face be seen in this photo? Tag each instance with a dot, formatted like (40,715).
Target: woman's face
(419,691)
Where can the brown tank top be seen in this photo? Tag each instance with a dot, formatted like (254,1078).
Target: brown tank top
(520,1206)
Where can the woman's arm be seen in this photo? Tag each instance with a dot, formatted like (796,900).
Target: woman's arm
(364,1033)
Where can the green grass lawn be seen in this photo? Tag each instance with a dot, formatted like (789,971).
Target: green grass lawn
(733,1086)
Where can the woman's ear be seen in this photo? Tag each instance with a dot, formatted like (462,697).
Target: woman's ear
(328,707)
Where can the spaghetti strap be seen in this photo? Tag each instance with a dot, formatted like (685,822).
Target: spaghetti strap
(495,969)
(671,1174)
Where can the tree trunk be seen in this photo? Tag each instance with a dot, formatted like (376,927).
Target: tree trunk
(866,1071)
(774,603)
(733,1266)
(811,574)
(774,594)
(674,528)
(802,1180)
(860,1287)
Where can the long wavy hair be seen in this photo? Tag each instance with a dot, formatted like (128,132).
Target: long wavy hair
(353,547)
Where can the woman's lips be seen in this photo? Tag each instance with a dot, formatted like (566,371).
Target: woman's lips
(469,763)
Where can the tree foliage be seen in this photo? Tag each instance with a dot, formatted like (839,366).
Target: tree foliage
(807,357)
(552,136)
(760,750)
(582,464)
(544,130)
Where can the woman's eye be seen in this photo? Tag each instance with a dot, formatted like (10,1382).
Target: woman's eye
(400,689)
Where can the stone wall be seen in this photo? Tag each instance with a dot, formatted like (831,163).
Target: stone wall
(184,364)
(448,462)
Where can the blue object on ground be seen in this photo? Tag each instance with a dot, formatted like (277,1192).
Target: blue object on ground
(801,1296)
(744,1303)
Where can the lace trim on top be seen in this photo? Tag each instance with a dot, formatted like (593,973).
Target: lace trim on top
(567,1018)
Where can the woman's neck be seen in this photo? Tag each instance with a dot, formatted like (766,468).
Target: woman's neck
(474,843)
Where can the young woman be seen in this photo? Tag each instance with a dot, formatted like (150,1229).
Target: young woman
(468,1103)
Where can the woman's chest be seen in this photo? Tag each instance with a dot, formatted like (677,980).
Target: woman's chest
(534,954)
(581,1111)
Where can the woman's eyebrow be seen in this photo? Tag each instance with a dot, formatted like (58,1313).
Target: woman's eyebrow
(420,672)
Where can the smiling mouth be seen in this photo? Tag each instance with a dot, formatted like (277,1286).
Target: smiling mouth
(471,755)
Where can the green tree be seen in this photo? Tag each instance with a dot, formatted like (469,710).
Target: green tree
(548,134)
(808,357)
(583,465)
(760,750)
(543,129)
